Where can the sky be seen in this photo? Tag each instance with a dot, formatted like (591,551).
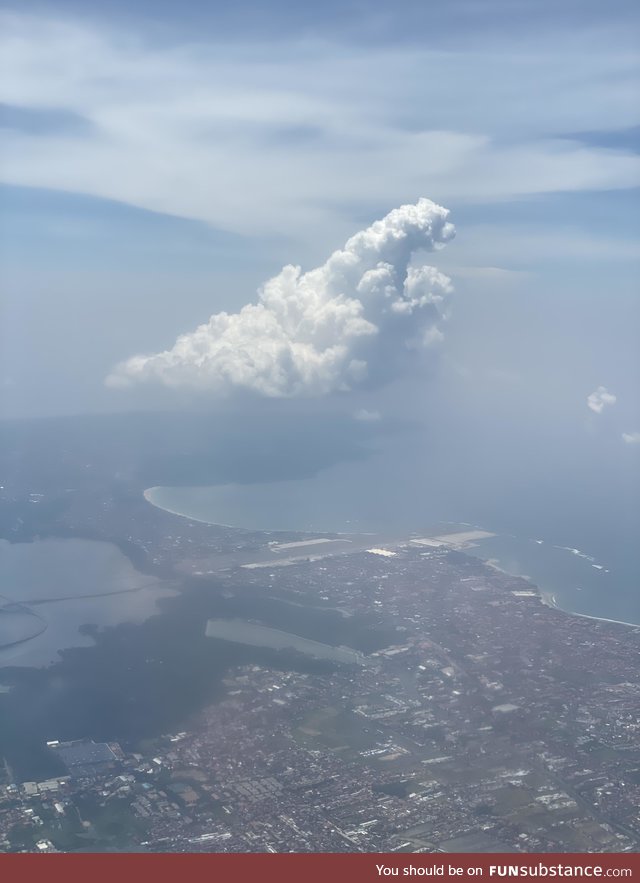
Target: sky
(162,163)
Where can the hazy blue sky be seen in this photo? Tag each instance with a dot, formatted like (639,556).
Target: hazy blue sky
(160,161)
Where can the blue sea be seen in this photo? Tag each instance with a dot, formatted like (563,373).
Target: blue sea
(582,558)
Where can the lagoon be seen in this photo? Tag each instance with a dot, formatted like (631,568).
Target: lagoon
(53,589)
(239,631)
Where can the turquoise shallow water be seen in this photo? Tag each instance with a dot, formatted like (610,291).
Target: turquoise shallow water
(577,581)
(592,577)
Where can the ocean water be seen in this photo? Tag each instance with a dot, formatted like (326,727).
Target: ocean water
(584,566)
(571,578)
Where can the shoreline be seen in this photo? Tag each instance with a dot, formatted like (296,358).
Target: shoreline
(549,600)
(267,530)
(146,494)
(546,597)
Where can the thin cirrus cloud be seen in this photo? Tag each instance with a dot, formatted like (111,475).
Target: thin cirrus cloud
(364,415)
(356,321)
(212,131)
(599,399)
(631,438)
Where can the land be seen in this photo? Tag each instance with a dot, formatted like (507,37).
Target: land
(478,718)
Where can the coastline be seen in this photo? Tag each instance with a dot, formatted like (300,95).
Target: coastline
(268,530)
(549,600)
(546,597)
(146,494)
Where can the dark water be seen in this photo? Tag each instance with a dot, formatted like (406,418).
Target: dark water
(137,681)
(146,664)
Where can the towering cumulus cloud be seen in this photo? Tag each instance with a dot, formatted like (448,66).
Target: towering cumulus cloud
(357,320)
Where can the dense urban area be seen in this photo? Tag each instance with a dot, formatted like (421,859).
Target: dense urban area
(442,707)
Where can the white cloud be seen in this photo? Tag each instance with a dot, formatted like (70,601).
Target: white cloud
(367,416)
(357,320)
(599,399)
(631,438)
(254,137)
